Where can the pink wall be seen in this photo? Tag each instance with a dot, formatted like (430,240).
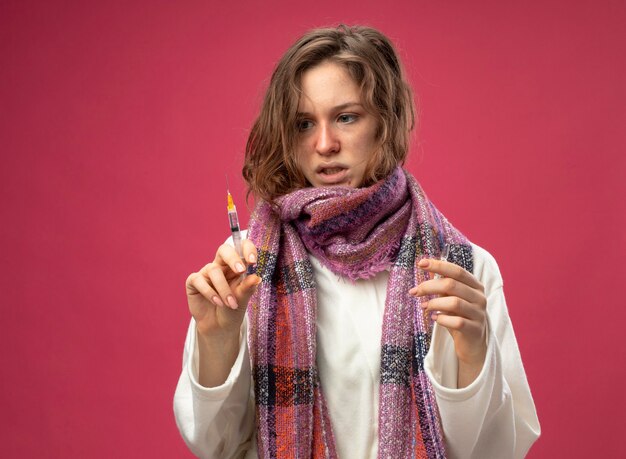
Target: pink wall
(118,122)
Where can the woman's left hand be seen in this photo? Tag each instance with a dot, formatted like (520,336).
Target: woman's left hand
(461,307)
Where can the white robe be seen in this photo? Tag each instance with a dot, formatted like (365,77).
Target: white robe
(494,417)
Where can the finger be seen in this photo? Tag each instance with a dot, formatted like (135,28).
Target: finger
(221,285)
(447,269)
(450,287)
(456,323)
(246,288)
(469,337)
(249,251)
(191,290)
(453,305)
(470,329)
(198,284)
(227,256)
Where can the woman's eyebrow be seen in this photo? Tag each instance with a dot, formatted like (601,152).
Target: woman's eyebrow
(347,105)
(335,108)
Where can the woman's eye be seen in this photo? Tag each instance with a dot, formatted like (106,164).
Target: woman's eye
(303,125)
(347,118)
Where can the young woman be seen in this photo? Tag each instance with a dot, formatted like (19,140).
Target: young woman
(354,339)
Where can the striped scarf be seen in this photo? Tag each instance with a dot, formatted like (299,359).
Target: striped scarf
(356,233)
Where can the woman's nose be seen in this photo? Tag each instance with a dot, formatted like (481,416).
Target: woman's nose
(327,141)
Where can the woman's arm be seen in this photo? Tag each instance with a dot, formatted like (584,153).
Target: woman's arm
(215,422)
(494,416)
(212,403)
(459,305)
(217,296)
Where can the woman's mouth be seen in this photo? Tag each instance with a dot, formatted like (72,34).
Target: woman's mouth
(333,175)
(331,170)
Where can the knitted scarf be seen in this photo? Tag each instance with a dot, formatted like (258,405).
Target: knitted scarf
(356,233)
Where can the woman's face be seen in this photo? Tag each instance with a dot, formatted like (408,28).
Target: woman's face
(336,135)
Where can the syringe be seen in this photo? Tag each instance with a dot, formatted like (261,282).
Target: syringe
(234,224)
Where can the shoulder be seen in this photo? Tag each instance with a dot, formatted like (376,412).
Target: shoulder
(486,268)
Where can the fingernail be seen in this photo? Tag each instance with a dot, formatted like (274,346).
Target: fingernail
(424,305)
(217,301)
(232,302)
(240,267)
(252,258)
(434,315)
(423,263)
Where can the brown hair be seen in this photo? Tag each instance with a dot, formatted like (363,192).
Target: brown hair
(270,168)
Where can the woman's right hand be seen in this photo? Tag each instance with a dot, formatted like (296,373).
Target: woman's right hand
(218,294)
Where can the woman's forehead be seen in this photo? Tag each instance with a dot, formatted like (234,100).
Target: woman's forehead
(327,85)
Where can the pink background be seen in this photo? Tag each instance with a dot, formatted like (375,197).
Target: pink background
(119,121)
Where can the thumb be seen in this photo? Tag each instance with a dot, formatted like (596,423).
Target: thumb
(246,289)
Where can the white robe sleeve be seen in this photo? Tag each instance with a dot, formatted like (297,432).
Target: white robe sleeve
(494,417)
(215,422)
